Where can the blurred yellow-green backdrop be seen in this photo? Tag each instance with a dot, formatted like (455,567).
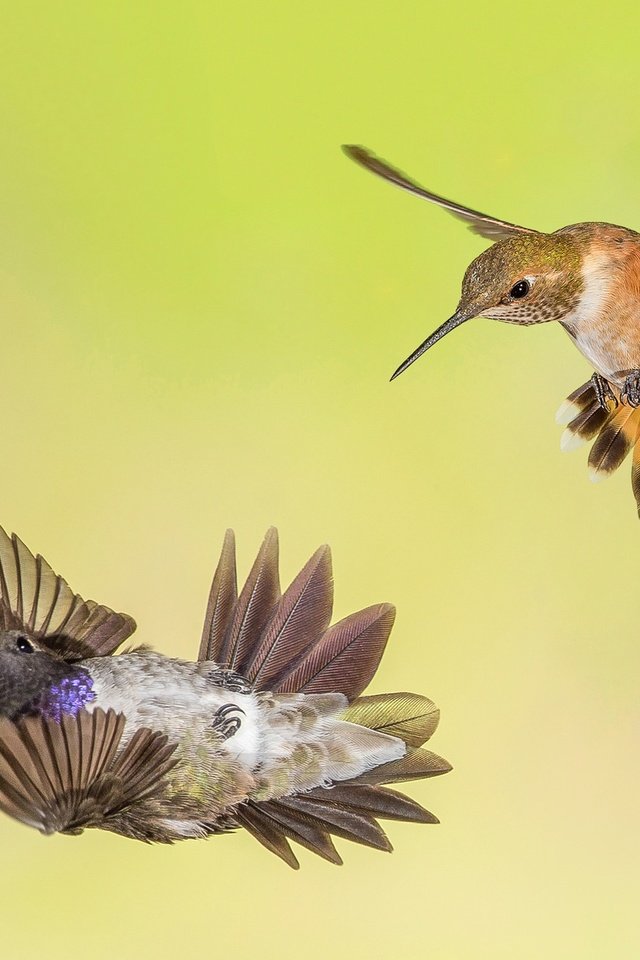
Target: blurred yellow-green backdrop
(201,302)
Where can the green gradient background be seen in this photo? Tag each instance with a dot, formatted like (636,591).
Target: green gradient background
(201,302)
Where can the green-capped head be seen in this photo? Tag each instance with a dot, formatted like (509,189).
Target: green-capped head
(527,278)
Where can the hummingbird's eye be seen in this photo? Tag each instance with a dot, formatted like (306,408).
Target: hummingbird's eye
(520,290)
(23,645)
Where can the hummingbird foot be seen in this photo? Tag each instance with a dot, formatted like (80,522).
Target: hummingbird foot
(630,393)
(603,390)
(226,722)
(230,680)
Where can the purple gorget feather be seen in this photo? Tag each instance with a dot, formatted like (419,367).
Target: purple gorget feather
(66,697)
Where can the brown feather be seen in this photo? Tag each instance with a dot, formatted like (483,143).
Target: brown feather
(489,227)
(337,820)
(35,599)
(345,659)
(374,801)
(254,608)
(299,620)
(66,776)
(266,832)
(584,426)
(223,597)
(635,470)
(303,830)
(614,441)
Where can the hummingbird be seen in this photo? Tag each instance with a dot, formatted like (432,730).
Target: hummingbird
(268,730)
(586,277)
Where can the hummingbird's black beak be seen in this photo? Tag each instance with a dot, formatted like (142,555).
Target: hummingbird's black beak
(459,317)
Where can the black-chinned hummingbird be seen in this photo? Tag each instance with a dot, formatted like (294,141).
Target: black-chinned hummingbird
(267,730)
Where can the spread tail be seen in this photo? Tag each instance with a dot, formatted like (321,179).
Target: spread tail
(350,809)
(615,431)
(282,642)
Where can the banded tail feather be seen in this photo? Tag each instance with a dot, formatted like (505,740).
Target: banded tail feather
(614,430)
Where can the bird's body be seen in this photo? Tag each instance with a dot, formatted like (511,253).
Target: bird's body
(604,323)
(585,276)
(251,734)
(281,743)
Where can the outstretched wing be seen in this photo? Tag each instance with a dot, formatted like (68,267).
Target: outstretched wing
(35,599)
(63,777)
(489,227)
(283,643)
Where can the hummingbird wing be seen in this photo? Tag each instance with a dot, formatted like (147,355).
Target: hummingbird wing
(63,777)
(283,643)
(489,227)
(35,599)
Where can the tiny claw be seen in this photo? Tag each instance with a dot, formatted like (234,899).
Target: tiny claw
(630,393)
(604,392)
(225,722)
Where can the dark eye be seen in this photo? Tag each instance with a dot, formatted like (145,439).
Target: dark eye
(23,645)
(520,290)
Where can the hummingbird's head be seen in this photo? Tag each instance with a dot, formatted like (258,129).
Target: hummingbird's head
(525,279)
(27,670)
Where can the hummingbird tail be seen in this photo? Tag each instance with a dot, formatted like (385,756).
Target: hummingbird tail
(615,430)
(350,809)
(283,642)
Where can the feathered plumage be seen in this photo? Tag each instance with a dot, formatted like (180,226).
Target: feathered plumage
(615,429)
(585,276)
(267,730)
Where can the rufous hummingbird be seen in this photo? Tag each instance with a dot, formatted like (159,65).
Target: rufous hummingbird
(587,277)
(267,730)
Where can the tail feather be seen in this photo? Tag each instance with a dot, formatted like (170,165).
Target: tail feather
(254,607)
(585,426)
(616,430)
(299,621)
(416,765)
(635,470)
(284,643)
(375,801)
(302,830)
(344,658)
(336,820)
(576,402)
(259,825)
(223,597)
(614,441)
(409,716)
(351,808)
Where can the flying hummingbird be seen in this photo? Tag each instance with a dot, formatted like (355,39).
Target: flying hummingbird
(587,277)
(267,730)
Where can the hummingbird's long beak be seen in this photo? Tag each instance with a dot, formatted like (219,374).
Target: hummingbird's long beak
(460,316)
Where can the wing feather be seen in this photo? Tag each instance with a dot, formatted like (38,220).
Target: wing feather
(481,223)
(35,599)
(62,777)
